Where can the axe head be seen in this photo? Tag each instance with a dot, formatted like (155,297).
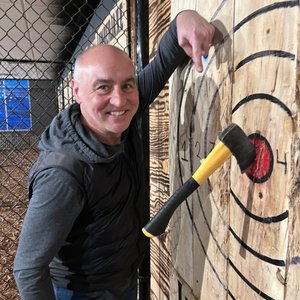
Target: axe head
(240,146)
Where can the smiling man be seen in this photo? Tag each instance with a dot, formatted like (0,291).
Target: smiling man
(81,237)
(106,91)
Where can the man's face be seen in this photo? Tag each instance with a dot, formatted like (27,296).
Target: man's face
(107,93)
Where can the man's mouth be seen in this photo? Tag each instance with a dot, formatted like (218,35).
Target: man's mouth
(117,113)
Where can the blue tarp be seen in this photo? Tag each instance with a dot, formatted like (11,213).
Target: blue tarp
(14,105)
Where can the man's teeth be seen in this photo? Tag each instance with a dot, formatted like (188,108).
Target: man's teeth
(117,113)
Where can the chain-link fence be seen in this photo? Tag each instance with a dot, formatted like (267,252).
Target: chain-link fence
(39,41)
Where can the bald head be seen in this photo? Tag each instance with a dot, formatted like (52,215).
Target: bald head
(100,54)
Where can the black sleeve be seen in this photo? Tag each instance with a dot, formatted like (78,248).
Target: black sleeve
(152,79)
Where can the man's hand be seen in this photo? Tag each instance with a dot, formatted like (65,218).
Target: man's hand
(195,35)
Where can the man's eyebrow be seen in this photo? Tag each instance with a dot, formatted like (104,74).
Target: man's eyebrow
(130,79)
(100,81)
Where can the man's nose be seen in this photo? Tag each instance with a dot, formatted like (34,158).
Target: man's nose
(118,97)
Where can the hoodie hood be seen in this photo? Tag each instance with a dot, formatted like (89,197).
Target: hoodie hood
(67,135)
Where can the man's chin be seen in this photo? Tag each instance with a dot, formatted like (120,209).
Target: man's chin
(118,130)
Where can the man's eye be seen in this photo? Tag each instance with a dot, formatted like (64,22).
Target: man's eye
(103,88)
(128,86)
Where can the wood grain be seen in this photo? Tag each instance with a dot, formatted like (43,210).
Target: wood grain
(159,14)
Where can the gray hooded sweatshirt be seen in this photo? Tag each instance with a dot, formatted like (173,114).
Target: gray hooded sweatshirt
(88,239)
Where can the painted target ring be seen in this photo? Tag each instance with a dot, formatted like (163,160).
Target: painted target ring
(262,168)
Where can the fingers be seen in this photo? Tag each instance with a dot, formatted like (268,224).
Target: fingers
(201,42)
(200,47)
(195,36)
(197,59)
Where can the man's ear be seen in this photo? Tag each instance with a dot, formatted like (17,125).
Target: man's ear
(75,89)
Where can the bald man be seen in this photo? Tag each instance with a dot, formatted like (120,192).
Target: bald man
(81,237)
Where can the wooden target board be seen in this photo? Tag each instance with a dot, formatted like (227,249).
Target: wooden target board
(236,237)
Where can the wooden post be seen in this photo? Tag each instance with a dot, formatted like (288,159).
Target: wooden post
(159,19)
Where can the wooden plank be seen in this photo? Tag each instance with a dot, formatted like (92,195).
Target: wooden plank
(263,97)
(159,14)
(293,269)
(199,233)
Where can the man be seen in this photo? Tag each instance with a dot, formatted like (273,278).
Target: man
(83,240)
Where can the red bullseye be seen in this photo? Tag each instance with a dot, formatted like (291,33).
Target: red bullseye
(262,168)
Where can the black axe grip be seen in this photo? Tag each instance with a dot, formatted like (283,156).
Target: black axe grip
(159,223)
